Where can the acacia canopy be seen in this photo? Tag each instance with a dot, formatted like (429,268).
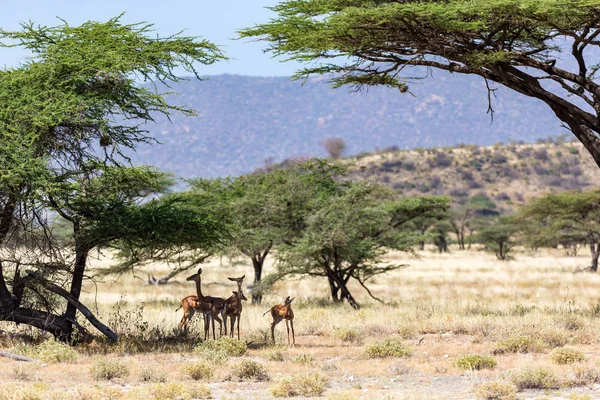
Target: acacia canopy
(545,49)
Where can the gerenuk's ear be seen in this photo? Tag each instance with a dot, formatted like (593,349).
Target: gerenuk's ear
(231,279)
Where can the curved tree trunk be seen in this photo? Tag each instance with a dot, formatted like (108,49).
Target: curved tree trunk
(257,263)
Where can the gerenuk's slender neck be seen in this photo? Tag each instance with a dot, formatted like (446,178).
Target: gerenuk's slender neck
(199,290)
(239,297)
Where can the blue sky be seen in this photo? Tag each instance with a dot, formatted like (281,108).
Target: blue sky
(215,20)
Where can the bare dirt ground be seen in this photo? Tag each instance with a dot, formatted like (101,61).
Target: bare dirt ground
(441,307)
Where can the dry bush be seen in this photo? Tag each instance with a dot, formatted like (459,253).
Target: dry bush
(553,337)
(310,385)
(22,373)
(388,348)
(567,355)
(180,391)
(198,371)
(304,359)
(476,362)
(108,368)
(277,353)
(348,335)
(229,346)
(535,377)
(150,374)
(519,344)
(52,351)
(334,146)
(496,390)
(250,370)
(19,392)
(585,375)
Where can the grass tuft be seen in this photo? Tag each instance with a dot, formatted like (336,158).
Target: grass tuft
(496,390)
(348,335)
(519,344)
(535,377)
(229,346)
(180,391)
(310,385)
(567,355)
(476,362)
(250,370)
(108,368)
(198,371)
(388,348)
(304,359)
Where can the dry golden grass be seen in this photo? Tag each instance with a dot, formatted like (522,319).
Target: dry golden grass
(442,307)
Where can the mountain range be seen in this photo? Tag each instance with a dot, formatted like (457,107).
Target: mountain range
(243,121)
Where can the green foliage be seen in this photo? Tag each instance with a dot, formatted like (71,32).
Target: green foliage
(475,362)
(67,115)
(568,217)
(566,355)
(250,370)
(388,348)
(498,237)
(511,42)
(309,385)
(231,347)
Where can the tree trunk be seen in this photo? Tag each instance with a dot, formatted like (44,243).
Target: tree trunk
(595,250)
(336,282)
(257,263)
(81,255)
(335,290)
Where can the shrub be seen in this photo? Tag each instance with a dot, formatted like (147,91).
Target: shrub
(585,375)
(275,354)
(52,351)
(519,344)
(573,151)
(150,374)
(441,160)
(227,345)
(473,184)
(351,335)
(198,371)
(180,391)
(496,390)
(534,377)
(553,338)
(476,362)
(310,385)
(20,392)
(107,369)
(541,154)
(250,370)
(304,359)
(566,355)
(212,356)
(388,348)
(502,196)
(499,158)
(435,182)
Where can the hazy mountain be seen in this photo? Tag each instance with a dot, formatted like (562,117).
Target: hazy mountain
(244,120)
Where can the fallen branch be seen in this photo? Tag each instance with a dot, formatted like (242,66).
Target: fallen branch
(83,309)
(17,357)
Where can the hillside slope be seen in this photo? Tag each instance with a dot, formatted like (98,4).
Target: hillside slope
(509,174)
(244,120)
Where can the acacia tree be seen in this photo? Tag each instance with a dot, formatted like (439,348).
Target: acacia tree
(65,114)
(515,43)
(263,210)
(554,217)
(347,228)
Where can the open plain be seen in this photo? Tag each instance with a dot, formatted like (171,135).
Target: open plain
(461,326)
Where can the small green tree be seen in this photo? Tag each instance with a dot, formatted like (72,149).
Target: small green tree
(348,227)
(557,217)
(66,116)
(498,237)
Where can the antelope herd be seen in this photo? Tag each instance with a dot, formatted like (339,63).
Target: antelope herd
(215,308)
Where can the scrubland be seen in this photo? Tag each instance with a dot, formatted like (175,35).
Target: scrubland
(452,326)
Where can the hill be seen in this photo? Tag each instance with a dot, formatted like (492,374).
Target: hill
(508,174)
(244,120)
